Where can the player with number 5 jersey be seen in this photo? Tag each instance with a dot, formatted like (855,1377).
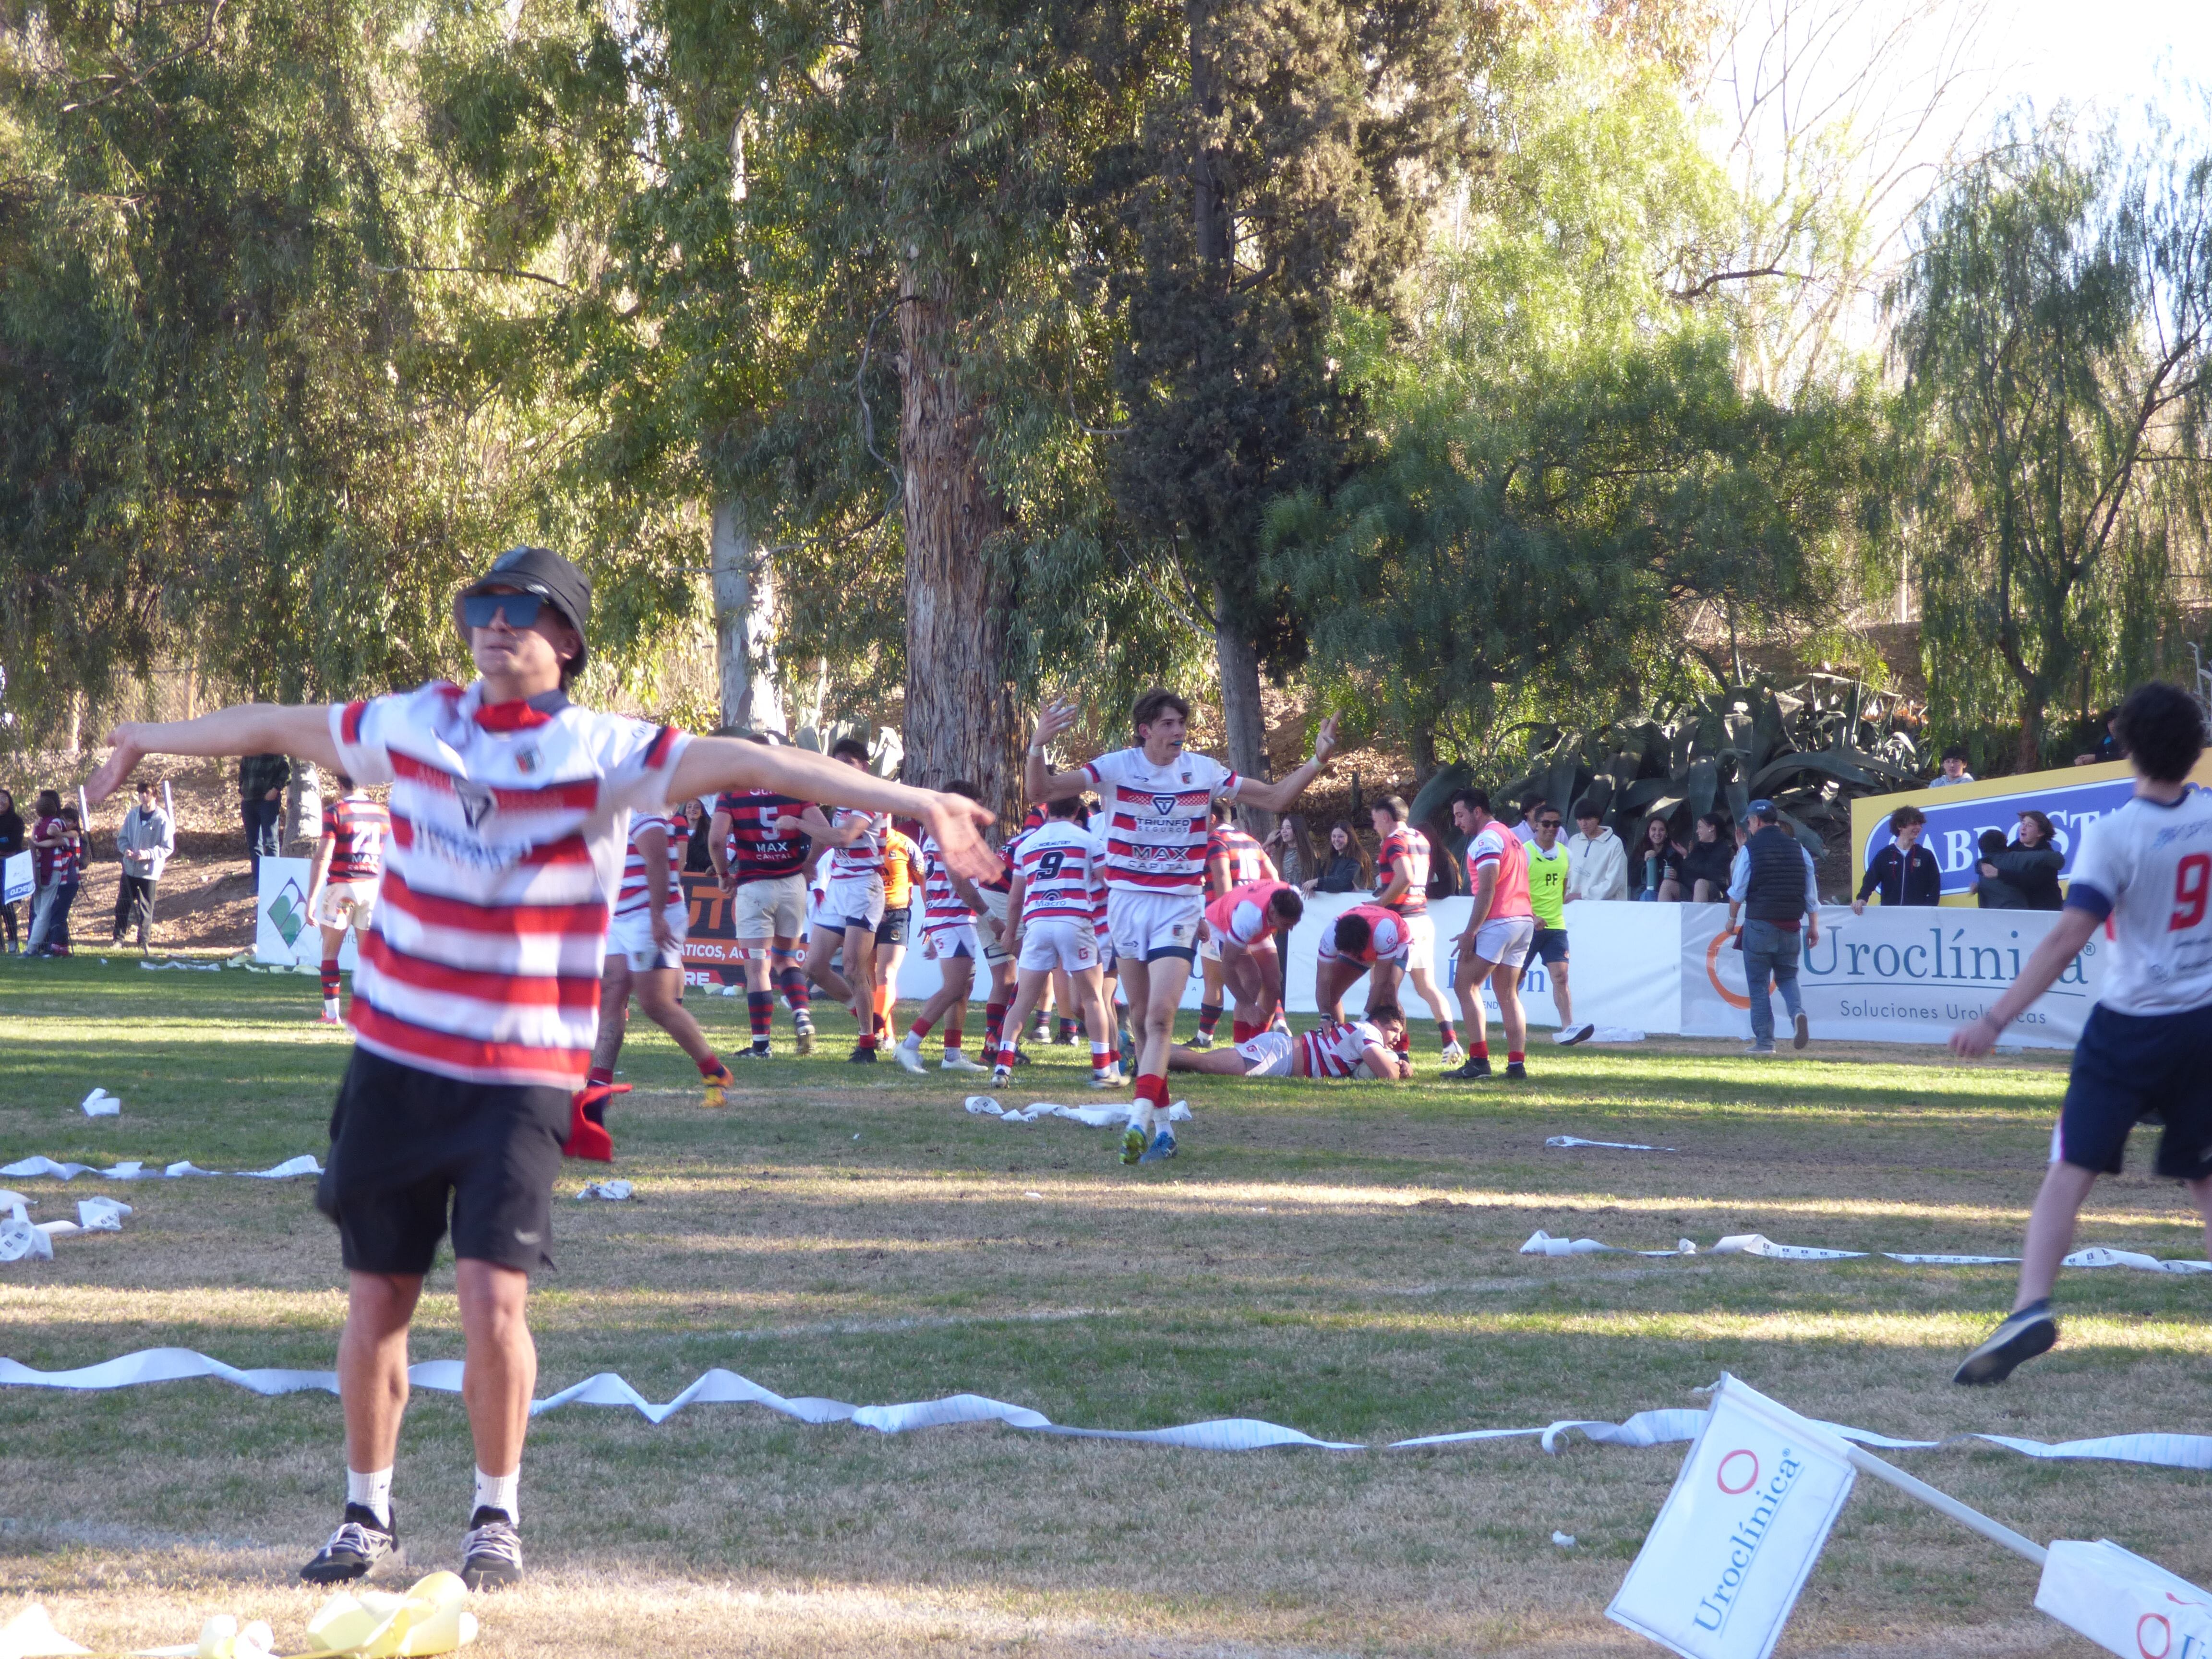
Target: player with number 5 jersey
(2143,876)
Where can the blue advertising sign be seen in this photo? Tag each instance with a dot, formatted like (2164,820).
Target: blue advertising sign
(1955,826)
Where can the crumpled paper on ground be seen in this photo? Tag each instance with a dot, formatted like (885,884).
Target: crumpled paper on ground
(430,1616)
(1109,1114)
(1541,1242)
(31,1635)
(1610,1146)
(613,1191)
(100,1104)
(26,1169)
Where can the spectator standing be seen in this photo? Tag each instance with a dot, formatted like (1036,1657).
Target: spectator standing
(46,841)
(14,836)
(261,781)
(1991,890)
(1345,867)
(1905,871)
(1532,808)
(2031,864)
(698,857)
(145,843)
(1706,871)
(1954,769)
(66,874)
(1658,865)
(1772,887)
(1550,867)
(1597,866)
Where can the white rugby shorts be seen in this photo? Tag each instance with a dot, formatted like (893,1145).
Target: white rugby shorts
(854,902)
(1268,1054)
(994,905)
(1058,942)
(346,903)
(1420,941)
(774,907)
(1506,938)
(955,939)
(629,936)
(1147,926)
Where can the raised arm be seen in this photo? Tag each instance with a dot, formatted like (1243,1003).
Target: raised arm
(1040,783)
(709,765)
(1278,796)
(249,728)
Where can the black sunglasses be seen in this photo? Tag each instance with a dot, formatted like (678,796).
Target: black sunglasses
(1547,824)
(477,610)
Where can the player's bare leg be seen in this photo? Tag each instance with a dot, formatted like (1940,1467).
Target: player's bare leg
(1214,1062)
(1505,985)
(1213,978)
(656,994)
(948,1002)
(888,959)
(1424,977)
(1333,981)
(333,942)
(1088,986)
(822,947)
(859,986)
(1031,986)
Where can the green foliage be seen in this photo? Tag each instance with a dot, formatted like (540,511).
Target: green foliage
(2053,326)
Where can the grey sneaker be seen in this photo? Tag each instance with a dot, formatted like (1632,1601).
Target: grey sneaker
(362,1547)
(2026,1334)
(1761,1049)
(491,1551)
(1802,1034)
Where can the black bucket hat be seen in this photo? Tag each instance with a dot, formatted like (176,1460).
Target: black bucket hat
(541,571)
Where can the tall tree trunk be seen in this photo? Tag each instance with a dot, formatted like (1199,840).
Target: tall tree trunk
(960,717)
(2028,756)
(1238,666)
(745,623)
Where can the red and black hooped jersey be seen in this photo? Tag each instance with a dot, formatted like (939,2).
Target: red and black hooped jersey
(357,827)
(1248,859)
(755,850)
(1405,849)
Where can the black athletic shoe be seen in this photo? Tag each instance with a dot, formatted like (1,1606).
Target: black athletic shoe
(1800,1033)
(1477,1066)
(491,1551)
(2026,1334)
(362,1547)
(758,1051)
(1515,1071)
(862,1056)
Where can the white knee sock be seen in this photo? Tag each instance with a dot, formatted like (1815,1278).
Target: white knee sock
(499,1491)
(373,1492)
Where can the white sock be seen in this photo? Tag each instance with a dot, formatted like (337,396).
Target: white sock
(330,1006)
(373,1492)
(499,1491)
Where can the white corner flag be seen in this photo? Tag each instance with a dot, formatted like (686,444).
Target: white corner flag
(1738,1535)
(2124,1604)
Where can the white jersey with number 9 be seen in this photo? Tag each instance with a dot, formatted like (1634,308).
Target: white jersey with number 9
(2148,867)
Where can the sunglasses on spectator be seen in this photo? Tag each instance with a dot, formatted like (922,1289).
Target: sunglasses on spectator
(477,610)
(1547,824)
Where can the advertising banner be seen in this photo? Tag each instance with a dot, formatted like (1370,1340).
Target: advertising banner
(1740,1533)
(1900,975)
(284,932)
(2124,1604)
(710,942)
(17,879)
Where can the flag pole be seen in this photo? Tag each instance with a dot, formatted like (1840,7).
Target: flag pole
(1996,1531)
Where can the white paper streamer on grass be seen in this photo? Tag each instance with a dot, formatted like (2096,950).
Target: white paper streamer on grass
(1758,1244)
(193,967)
(100,1104)
(1610,1146)
(1106,1116)
(1665,1426)
(614,1192)
(135,1169)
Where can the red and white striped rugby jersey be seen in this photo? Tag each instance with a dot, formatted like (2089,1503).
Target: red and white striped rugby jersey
(1155,818)
(357,827)
(941,904)
(635,894)
(1056,861)
(1248,859)
(1240,915)
(1407,849)
(507,829)
(1387,935)
(1336,1050)
(865,857)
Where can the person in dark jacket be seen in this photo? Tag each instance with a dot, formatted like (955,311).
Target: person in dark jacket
(1706,871)
(1771,887)
(2029,866)
(14,838)
(1991,890)
(1905,871)
(1345,867)
(261,781)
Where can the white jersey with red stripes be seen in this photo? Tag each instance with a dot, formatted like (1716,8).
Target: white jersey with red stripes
(507,827)
(1337,1050)
(865,856)
(941,904)
(1057,861)
(1239,916)
(1155,818)
(636,895)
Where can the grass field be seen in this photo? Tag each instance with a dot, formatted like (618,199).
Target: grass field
(1339,1258)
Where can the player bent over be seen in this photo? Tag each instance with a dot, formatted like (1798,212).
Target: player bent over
(949,904)
(645,957)
(1243,924)
(2146,871)
(1232,859)
(342,893)
(1369,1047)
(1157,798)
(1054,869)
(1366,939)
(475,1001)
(1500,926)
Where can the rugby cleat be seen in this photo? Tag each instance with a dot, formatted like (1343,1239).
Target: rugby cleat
(1133,1145)
(802,1031)
(362,1547)
(1162,1149)
(1476,1068)
(1000,1075)
(2023,1336)
(1201,1041)
(326,1018)
(908,1055)
(1515,1071)
(1455,1052)
(491,1551)
(718,1087)
(1111,1078)
(954,1061)
(862,1054)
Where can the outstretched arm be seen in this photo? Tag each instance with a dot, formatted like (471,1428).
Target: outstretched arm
(1278,796)
(1039,782)
(249,728)
(709,765)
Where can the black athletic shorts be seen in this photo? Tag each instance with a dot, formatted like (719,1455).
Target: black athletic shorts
(406,1145)
(2128,1067)
(891,929)
(1547,945)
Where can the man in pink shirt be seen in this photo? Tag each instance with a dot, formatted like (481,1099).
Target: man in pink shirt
(1243,924)
(1495,941)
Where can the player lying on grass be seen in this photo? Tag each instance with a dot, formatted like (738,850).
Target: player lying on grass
(477,998)
(1243,924)
(1366,1048)
(2146,870)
